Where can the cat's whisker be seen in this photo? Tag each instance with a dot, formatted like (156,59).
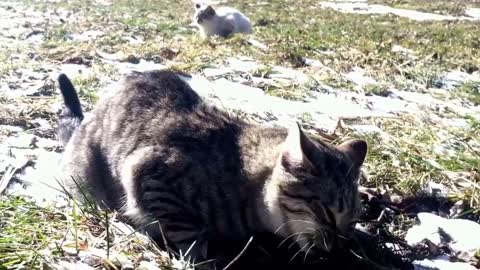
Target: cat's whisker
(306,253)
(293,220)
(302,238)
(324,241)
(296,241)
(298,252)
(314,217)
(290,236)
(349,169)
(342,236)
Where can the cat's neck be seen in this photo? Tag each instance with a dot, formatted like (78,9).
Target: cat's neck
(261,148)
(260,151)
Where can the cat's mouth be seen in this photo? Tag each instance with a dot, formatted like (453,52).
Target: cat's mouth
(326,239)
(316,248)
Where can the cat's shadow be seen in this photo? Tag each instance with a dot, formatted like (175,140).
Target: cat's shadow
(269,252)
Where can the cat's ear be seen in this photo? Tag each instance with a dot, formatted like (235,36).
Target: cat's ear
(210,11)
(293,154)
(356,149)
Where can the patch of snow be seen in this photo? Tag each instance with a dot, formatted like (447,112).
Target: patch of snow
(388,105)
(312,62)
(365,8)
(473,12)
(432,103)
(104,2)
(243,64)
(325,109)
(237,89)
(122,260)
(289,74)
(134,40)
(437,190)
(63,265)
(86,35)
(441,264)
(455,78)
(12,129)
(144,265)
(401,50)
(73,71)
(126,68)
(257,44)
(463,234)
(367,129)
(38,181)
(216,72)
(358,77)
(278,74)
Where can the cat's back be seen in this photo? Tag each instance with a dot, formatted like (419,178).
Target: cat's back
(145,105)
(225,11)
(157,90)
(238,19)
(148,113)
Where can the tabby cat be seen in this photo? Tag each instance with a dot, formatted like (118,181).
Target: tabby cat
(156,151)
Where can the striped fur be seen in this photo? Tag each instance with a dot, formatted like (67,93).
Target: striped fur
(156,152)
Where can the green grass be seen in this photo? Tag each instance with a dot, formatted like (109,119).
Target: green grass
(469,91)
(409,157)
(34,237)
(26,230)
(87,88)
(12,58)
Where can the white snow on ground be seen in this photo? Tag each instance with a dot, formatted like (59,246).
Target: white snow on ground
(362,7)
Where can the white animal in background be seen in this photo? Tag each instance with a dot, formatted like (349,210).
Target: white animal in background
(222,21)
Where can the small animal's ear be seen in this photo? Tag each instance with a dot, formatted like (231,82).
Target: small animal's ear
(210,11)
(197,6)
(295,144)
(356,149)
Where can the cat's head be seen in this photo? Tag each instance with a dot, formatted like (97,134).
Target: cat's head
(312,196)
(203,13)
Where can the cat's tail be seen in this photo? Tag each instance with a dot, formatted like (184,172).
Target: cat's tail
(72,114)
